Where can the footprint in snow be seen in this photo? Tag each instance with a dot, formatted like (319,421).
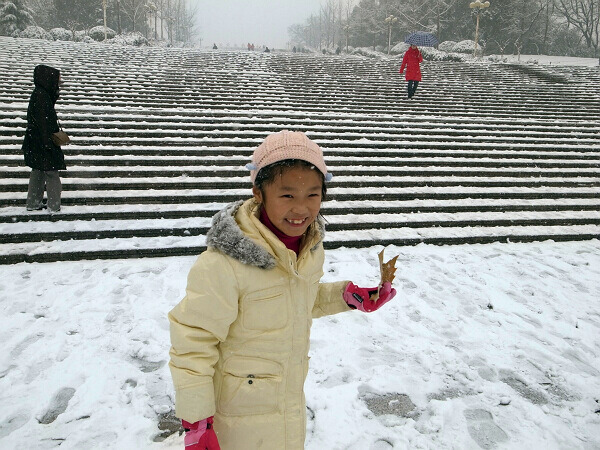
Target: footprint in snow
(24,344)
(13,423)
(450,393)
(147,366)
(127,390)
(392,403)
(337,379)
(482,428)
(7,370)
(168,424)
(535,396)
(36,369)
(58,405)
(381,444)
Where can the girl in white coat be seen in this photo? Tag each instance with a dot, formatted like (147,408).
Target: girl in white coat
(240,337)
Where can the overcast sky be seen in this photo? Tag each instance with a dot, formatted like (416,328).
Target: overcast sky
(262,22)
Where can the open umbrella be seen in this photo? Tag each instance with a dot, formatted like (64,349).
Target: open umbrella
(421,39)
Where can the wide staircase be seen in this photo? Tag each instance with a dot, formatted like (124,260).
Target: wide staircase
(484,152)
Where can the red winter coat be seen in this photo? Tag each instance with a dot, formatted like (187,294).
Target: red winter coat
(412,59)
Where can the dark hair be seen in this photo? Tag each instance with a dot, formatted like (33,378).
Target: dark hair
(267,174)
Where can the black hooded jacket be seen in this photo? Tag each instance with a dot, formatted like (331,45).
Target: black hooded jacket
(39,150)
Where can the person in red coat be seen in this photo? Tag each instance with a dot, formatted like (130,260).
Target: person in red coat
(411,61)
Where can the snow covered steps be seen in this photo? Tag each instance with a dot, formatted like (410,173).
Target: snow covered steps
(484,152)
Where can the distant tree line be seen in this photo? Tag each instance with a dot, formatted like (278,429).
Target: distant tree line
(172,20)
(555,27)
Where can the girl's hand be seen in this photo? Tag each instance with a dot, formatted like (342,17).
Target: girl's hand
(200,435)
(360,298)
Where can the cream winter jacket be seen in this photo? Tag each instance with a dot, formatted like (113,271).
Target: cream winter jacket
(240,337)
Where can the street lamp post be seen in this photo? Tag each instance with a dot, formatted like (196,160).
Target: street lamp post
(155,11)
(347,32)
(170,21)
(152,9)
(390,20)
(104,7)
(479,5)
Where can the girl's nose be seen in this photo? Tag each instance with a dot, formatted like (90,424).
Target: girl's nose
(299,208)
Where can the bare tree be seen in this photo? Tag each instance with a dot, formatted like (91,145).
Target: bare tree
(188,29)
(548,18)
(43,12)
(525,21)
(117,4)
(152,10)
(329,15)
(442,7)
(537,25)
(415,14)
(502,44)
(135,10)
(368,22)
(584,15)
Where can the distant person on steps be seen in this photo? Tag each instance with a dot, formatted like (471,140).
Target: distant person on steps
(41,154)
(411,61)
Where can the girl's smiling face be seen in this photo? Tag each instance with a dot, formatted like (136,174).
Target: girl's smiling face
(292,200)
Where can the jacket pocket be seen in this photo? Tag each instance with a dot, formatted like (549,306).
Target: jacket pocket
(265,310)
(250,386)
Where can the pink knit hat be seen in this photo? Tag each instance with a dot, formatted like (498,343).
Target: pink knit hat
(287,145)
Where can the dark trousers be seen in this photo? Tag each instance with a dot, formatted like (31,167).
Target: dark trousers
(412,87)
(40,181)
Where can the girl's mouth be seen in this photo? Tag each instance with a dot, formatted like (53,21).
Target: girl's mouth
(296,222)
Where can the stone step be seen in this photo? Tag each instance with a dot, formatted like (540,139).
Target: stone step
(89,171)
(337,94)
(458,164)
(140,125)
(195,137)
(161,183)
(279,119)
(214,147)
(183,210)
(142,247)
(195,226)
(259,118)
(93,197)
(524,113)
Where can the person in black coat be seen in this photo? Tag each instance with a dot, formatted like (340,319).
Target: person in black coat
(41,154)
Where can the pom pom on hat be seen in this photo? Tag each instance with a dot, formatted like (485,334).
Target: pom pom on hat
(287,145)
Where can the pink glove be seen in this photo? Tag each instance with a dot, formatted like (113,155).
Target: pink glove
(200,435)
(359,298)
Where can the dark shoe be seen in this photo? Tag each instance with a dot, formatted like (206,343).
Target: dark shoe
(37,209)
(44,205)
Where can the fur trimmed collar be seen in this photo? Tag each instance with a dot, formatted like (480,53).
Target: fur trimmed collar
(226,236)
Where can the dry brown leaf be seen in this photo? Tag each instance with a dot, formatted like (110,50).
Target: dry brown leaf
(387,270)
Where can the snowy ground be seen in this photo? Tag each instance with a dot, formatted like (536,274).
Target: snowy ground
(485,346)
(556,60)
